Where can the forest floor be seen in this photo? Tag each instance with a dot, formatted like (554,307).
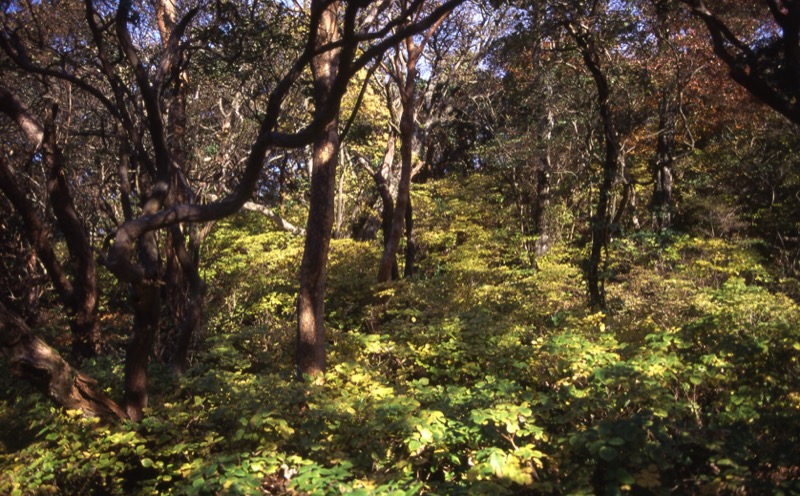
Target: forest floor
(484,373)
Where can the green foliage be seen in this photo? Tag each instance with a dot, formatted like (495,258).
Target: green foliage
(251,269)
(484,374)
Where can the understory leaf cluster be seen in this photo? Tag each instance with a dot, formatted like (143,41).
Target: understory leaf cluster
(485,373)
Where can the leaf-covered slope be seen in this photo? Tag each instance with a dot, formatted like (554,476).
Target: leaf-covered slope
(483,374)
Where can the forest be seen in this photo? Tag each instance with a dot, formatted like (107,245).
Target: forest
(399,247)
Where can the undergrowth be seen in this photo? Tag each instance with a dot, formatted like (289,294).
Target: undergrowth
(483,374)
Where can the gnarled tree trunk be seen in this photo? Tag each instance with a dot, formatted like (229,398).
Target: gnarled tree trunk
(33,360)
(184,292)
(146,300)
(392,241)
(83,308)
(79,295)
(387,209)
(408,98)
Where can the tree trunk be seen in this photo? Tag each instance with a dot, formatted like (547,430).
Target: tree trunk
(33,360)
(411,245)
(662,205)
(16,110)
(601,221)
(310,352)
(540,211)
(407,97)
(79,296)
(340,197)
(185,299)
(408,101)
(146,299)
(600,231)
(83,310)
(541,207)
(387,209)
(184,288)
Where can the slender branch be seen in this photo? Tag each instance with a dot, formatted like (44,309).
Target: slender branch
(359,101)
(17,54)
(149,94)
(282,223)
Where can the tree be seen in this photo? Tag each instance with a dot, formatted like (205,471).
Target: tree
(133,91)
(404,73)
(601,224)
(78,294)
(31,358)
(310,354)
(765,57)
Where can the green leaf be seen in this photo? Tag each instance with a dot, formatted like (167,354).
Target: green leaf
(425,434)
(625,477)
(607,453)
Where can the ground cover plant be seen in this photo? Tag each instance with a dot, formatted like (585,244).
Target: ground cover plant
(482,374)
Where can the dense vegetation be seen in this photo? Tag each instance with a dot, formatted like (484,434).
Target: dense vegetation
(484,373)
(399,247)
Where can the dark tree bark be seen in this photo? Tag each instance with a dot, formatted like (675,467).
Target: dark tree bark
(310,353)
(663,205)
(185,298)
(146,301)
(33,360)
(408,89)
(183,286)
(79,295)
(83,310)
(36,232)
(601,221)
(165,119)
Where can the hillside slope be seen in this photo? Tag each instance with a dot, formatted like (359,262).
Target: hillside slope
(485,373)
